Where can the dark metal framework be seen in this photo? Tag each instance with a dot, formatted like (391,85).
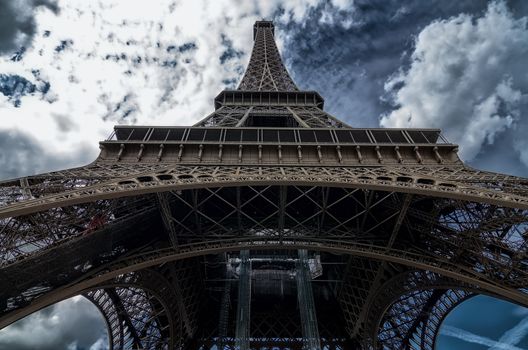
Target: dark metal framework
(270,223)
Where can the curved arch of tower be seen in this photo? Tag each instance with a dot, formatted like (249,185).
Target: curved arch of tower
(269,223)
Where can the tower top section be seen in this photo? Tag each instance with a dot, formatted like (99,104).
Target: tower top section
(263,24)
(265,71)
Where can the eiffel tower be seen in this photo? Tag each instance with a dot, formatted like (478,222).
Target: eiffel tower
(268,224)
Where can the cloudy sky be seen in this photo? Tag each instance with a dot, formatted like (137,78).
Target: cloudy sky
(71,69)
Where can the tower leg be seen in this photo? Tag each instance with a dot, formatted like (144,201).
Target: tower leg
(311,340)
(244,303)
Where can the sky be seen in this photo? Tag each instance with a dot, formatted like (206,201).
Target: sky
(72,69)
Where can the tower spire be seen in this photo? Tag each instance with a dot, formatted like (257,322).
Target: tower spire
(265,71)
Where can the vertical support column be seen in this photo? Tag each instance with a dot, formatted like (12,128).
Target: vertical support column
(223,318)
(311,340)
(244,303)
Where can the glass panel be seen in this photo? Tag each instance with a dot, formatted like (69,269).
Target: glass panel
(417,136)
(212,135)
(122,133)
(286,136)
(196,135)
(138,134)
(431,136)
(175,135)
(270,135)
(307,135)
(380,136)
(360,136)
(233,135)
(323,136)
(249,135)
(397,136)
(344,136)
(159,134)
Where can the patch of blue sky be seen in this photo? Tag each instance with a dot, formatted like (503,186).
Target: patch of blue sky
(485,323)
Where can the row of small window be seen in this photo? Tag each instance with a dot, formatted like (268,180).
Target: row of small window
(279,135)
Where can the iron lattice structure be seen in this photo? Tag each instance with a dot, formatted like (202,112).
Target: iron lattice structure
(268,223)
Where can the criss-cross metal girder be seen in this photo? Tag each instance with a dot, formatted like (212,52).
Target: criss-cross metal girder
(265,71)
(397,229)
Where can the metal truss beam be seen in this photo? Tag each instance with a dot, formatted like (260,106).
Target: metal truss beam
(265,70)
(223,318)
(415,304)
(457,233)
(243,316)
(444,183)
(311,339)
(139,312)
(153,258)
(381,272)
(125,317)
(166,216)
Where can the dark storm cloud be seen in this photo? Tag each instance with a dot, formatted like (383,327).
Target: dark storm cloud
(349,66)
(174,58)
(22,155)
(187,47)
(467,77)
(350,58)
(63,45)
(14,87)
(230,56)
(64,326)
(500,157)
(17,23)
(229,51)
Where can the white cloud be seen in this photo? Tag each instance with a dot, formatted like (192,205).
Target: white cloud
(474,338)
(71,324)
(121,63)
(103,54)
(468,77)
(520,311)
(514,335)
(17,25)
(100,344)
